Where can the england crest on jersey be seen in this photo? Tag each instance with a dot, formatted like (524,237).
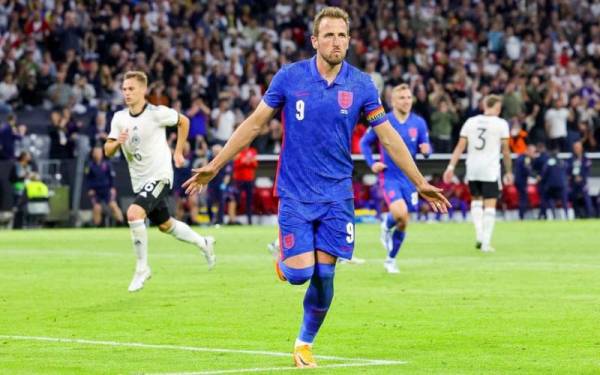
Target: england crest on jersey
(345,99)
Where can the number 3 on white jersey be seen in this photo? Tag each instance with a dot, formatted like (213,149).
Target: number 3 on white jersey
(300,110)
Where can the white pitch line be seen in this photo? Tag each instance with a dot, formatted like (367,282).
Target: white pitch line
(237,371)
(189,348)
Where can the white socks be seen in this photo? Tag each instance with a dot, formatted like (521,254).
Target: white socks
(489,217)
(301,343)
(139,237)
(477,216)
(183,232)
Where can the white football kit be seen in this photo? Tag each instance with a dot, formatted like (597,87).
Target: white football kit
(146,150)
(484,136)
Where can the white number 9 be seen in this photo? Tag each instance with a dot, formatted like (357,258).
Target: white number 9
(350,231)
(300,110)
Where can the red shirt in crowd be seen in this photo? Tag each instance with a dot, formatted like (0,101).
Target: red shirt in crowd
(245,165)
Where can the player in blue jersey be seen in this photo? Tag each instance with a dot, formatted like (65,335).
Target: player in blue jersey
(398,191)
(320,99)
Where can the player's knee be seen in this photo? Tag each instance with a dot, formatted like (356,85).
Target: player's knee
(134,213)
(325,271)
(296,276)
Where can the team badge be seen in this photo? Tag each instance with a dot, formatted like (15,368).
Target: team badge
(288,241)
(345,99)
(136,140)
(412,132)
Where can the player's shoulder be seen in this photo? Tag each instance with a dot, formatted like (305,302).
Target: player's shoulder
(356,75)
(120,114)
(297,68)
(156,108)
(417,119)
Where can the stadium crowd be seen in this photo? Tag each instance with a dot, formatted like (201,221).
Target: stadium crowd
(213,60)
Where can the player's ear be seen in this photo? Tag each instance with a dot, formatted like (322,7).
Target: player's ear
(314,41)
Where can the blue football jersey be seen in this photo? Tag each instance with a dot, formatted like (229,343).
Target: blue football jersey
(315,163)
(414,133)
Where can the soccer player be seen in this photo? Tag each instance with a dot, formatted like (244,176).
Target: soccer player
(398,191)
(139,130)
(486,137)
(99,176)
(321,100)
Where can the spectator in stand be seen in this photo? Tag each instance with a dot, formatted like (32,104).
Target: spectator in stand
(442,122)
(578,170)
(9,93)
(244,174)
(223,120)
(9,135)
(61,93)
(556,125)
(99,177)
(523,171)
(518,137)
(61,146)
(199,116)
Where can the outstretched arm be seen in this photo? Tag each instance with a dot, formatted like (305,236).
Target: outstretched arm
(458,150)
(508,175)
(366,143)
(394,145)
(243,136)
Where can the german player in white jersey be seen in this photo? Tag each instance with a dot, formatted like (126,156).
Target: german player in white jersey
(140,131)
(486,137)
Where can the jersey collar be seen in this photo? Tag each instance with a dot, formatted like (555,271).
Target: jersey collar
(142,111)
(340,79)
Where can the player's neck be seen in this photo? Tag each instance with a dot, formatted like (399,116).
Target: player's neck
(327,71)
(402,117)
(137,108)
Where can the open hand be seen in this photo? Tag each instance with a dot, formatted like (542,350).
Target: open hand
(199,179)
(435,197)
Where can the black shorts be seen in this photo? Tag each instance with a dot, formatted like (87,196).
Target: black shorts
(153,199)
(485,189)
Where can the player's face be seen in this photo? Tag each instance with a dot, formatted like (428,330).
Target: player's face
(332,42)
(133,91)
(402,101)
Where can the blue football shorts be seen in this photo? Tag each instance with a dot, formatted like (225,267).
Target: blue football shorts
(309,226)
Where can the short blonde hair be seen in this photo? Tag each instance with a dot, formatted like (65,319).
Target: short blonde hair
(138,75)
(401,87)
(330,12)
(491,100)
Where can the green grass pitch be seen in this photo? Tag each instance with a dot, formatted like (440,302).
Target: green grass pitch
(533,307)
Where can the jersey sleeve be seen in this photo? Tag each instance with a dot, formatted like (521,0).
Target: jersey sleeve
(365,146)
(372,107)
(275,95)
(423,133)
(505,131)
(114,127)
(166,116)
(464,131)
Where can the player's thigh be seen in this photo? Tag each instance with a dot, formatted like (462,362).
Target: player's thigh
(490,192)
(335,230)
(296,233)
(160,214)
